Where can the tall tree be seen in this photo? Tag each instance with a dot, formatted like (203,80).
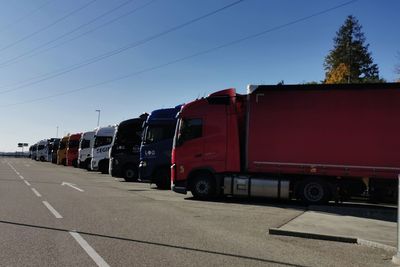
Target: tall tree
(350,61)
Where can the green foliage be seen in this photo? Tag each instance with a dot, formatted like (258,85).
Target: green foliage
(350,61)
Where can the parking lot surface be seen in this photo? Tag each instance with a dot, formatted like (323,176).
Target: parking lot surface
(62,216)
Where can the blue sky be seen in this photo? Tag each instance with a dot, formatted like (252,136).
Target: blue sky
(294,54)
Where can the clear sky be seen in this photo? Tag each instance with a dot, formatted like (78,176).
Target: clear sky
(79,31)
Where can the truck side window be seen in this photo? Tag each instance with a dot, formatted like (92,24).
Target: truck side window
(191,129)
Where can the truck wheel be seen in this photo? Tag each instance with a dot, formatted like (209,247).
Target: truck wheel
(203,186)
(163,179)
(130,174)
(314,191)
(42,158)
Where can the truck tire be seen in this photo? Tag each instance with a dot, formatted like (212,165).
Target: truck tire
(314,191)
(130,174)
(163,179)
(203,186)
(41,158)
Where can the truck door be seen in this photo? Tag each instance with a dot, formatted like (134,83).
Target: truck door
(190,143)
(215,137)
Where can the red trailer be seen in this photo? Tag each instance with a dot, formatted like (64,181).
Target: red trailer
(72,149)
(314,142)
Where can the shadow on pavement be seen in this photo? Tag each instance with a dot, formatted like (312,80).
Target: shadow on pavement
(154,244)
(355,209)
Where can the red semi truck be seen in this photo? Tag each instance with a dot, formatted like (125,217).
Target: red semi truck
(72,149)
(311,142)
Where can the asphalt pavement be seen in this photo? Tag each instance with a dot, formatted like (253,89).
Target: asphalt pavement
(62,216)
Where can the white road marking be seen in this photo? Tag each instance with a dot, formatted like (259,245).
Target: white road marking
(52,210)
(72,186)
(36,192)
(89,250)
(27,183)
(22,177)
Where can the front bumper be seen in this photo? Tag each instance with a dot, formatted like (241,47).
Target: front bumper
(179,187)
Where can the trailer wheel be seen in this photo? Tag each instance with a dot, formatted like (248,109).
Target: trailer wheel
(314,191)
(130,174)
(203,186)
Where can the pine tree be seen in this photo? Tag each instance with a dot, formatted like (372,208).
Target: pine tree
(350,53)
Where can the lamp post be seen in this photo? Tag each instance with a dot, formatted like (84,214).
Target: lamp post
(98,117)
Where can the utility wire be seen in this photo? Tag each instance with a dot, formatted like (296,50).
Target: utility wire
(26,16)
(7,62)
(73,39)
(90,61)
(203,52)
(26,37)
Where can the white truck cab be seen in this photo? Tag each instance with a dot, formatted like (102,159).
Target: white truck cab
(85,149)
(42,150)
(100,152)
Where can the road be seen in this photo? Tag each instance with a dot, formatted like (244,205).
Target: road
(61,216)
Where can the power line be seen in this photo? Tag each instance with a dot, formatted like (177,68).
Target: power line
(72,39)
(26,16)
(10,61)
(200,53)
(26,37)
(114,52)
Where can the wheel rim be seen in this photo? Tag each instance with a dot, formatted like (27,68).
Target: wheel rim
(313,192)
(129,173)
(202,187)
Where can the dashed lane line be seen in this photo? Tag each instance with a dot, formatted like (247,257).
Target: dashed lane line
(52,210)
(89,250)
(27,183)
(36,192)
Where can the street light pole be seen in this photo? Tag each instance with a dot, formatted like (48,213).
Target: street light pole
(57,132)
(98,117)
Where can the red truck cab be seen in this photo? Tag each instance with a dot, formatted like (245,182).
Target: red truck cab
(207,140)
(72,149)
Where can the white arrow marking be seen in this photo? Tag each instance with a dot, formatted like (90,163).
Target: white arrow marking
(73,186)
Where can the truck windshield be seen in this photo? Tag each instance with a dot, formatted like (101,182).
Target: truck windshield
(63,145)
(188,129)
(85,143)
(40,147)
(102,141)
(157,133)
(73,144)
(129,135)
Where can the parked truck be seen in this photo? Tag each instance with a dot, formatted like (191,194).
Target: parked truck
(34,151)
(62,151)
(54,148)
(311,142)
(100,152)
(124,153)
(72,149)
(155,150)
(85,148)
(42,150)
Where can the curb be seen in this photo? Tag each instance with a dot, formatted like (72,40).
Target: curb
(373,244)
(343,239)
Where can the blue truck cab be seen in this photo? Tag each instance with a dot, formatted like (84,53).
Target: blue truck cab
(156,146)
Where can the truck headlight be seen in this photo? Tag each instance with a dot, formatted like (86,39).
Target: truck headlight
(143,164)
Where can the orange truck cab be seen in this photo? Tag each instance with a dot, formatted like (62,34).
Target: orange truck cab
(62,151)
